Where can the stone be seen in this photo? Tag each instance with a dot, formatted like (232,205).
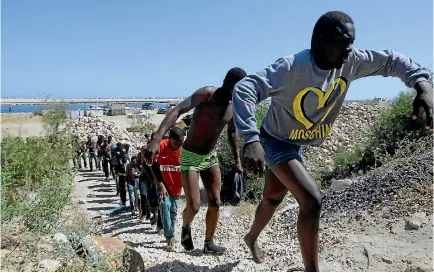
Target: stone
(81,202)
(60,238)
(17,225)
(407,261)
(340,184)
(102,248)
(416,221)
(133,260)
(394,229)
(49,265)
(387,260)
(424,268)
(4,253)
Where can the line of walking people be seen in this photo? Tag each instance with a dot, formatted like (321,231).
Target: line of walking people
(153,191)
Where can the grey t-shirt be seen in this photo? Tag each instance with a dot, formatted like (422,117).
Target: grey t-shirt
(305,99)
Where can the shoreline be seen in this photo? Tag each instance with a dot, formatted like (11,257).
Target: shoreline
(23,101)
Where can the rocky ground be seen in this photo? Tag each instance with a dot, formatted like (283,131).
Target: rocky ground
(349,129)
(379,222)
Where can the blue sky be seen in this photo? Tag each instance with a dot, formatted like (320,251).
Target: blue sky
(108,48)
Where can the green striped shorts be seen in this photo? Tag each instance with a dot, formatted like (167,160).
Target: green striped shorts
(194,162)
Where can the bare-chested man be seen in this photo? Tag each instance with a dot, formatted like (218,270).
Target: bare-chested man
(213,110)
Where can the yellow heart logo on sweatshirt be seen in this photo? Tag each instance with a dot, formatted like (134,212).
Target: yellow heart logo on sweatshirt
(322,100)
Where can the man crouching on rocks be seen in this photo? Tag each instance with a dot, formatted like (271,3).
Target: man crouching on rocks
(308,90)
(167,171)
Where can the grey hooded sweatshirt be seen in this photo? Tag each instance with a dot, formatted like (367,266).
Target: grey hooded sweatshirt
(306,100)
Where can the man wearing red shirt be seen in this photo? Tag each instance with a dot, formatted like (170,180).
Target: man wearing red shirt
(169,182)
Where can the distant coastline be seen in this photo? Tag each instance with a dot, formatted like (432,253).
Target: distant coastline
(31,101)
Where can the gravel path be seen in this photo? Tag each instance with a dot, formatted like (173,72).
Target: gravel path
(344,239)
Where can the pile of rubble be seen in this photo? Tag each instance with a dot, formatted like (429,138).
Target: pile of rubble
(95,126)
(350,128)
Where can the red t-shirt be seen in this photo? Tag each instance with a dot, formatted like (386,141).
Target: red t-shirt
(170,167)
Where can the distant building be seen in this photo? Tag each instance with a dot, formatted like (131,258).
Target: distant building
(380,101)
(117,109)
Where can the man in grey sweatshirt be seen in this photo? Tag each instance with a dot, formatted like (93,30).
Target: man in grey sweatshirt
(307,90)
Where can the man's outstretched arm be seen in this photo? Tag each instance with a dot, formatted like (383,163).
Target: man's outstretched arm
(186,105)
(388,63)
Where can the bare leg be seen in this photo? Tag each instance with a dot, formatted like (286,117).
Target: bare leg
(302,185)
(211,179)
(274,193)
(190,183)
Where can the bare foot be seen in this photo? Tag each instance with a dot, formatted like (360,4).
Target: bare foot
(254,249)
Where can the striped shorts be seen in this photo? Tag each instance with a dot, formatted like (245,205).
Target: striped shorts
(194,162)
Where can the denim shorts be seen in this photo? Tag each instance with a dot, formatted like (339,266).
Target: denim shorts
(277,151)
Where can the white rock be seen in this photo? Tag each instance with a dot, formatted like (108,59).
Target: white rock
(416,221)
(49,265)
(387,260)
(340,184)
(60,238)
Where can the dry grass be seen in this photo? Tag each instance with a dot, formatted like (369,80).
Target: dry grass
(19,118)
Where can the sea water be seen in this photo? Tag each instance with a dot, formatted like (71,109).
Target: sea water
(35,107)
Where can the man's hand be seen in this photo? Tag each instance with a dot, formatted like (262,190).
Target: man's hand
(424,99)
(238,167)
(253,158)
(163,191)
(152,150)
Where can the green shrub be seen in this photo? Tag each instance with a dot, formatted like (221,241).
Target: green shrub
(141,124)
(253,185)
(145,128)
(392,126)
(36,179)
(38,112)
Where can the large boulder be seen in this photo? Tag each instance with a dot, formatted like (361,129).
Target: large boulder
(113,252)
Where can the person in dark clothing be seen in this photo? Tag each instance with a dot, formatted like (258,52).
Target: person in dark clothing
(76,160)
(153,194)
(80,154)
(121,162)
(127,147)
(116,151)
(105,154)
(154,202)
(91,148)
(99,157)
(144,203)
(133,174)
(113,146)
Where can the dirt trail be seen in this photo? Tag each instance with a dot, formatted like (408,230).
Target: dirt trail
(346,244)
